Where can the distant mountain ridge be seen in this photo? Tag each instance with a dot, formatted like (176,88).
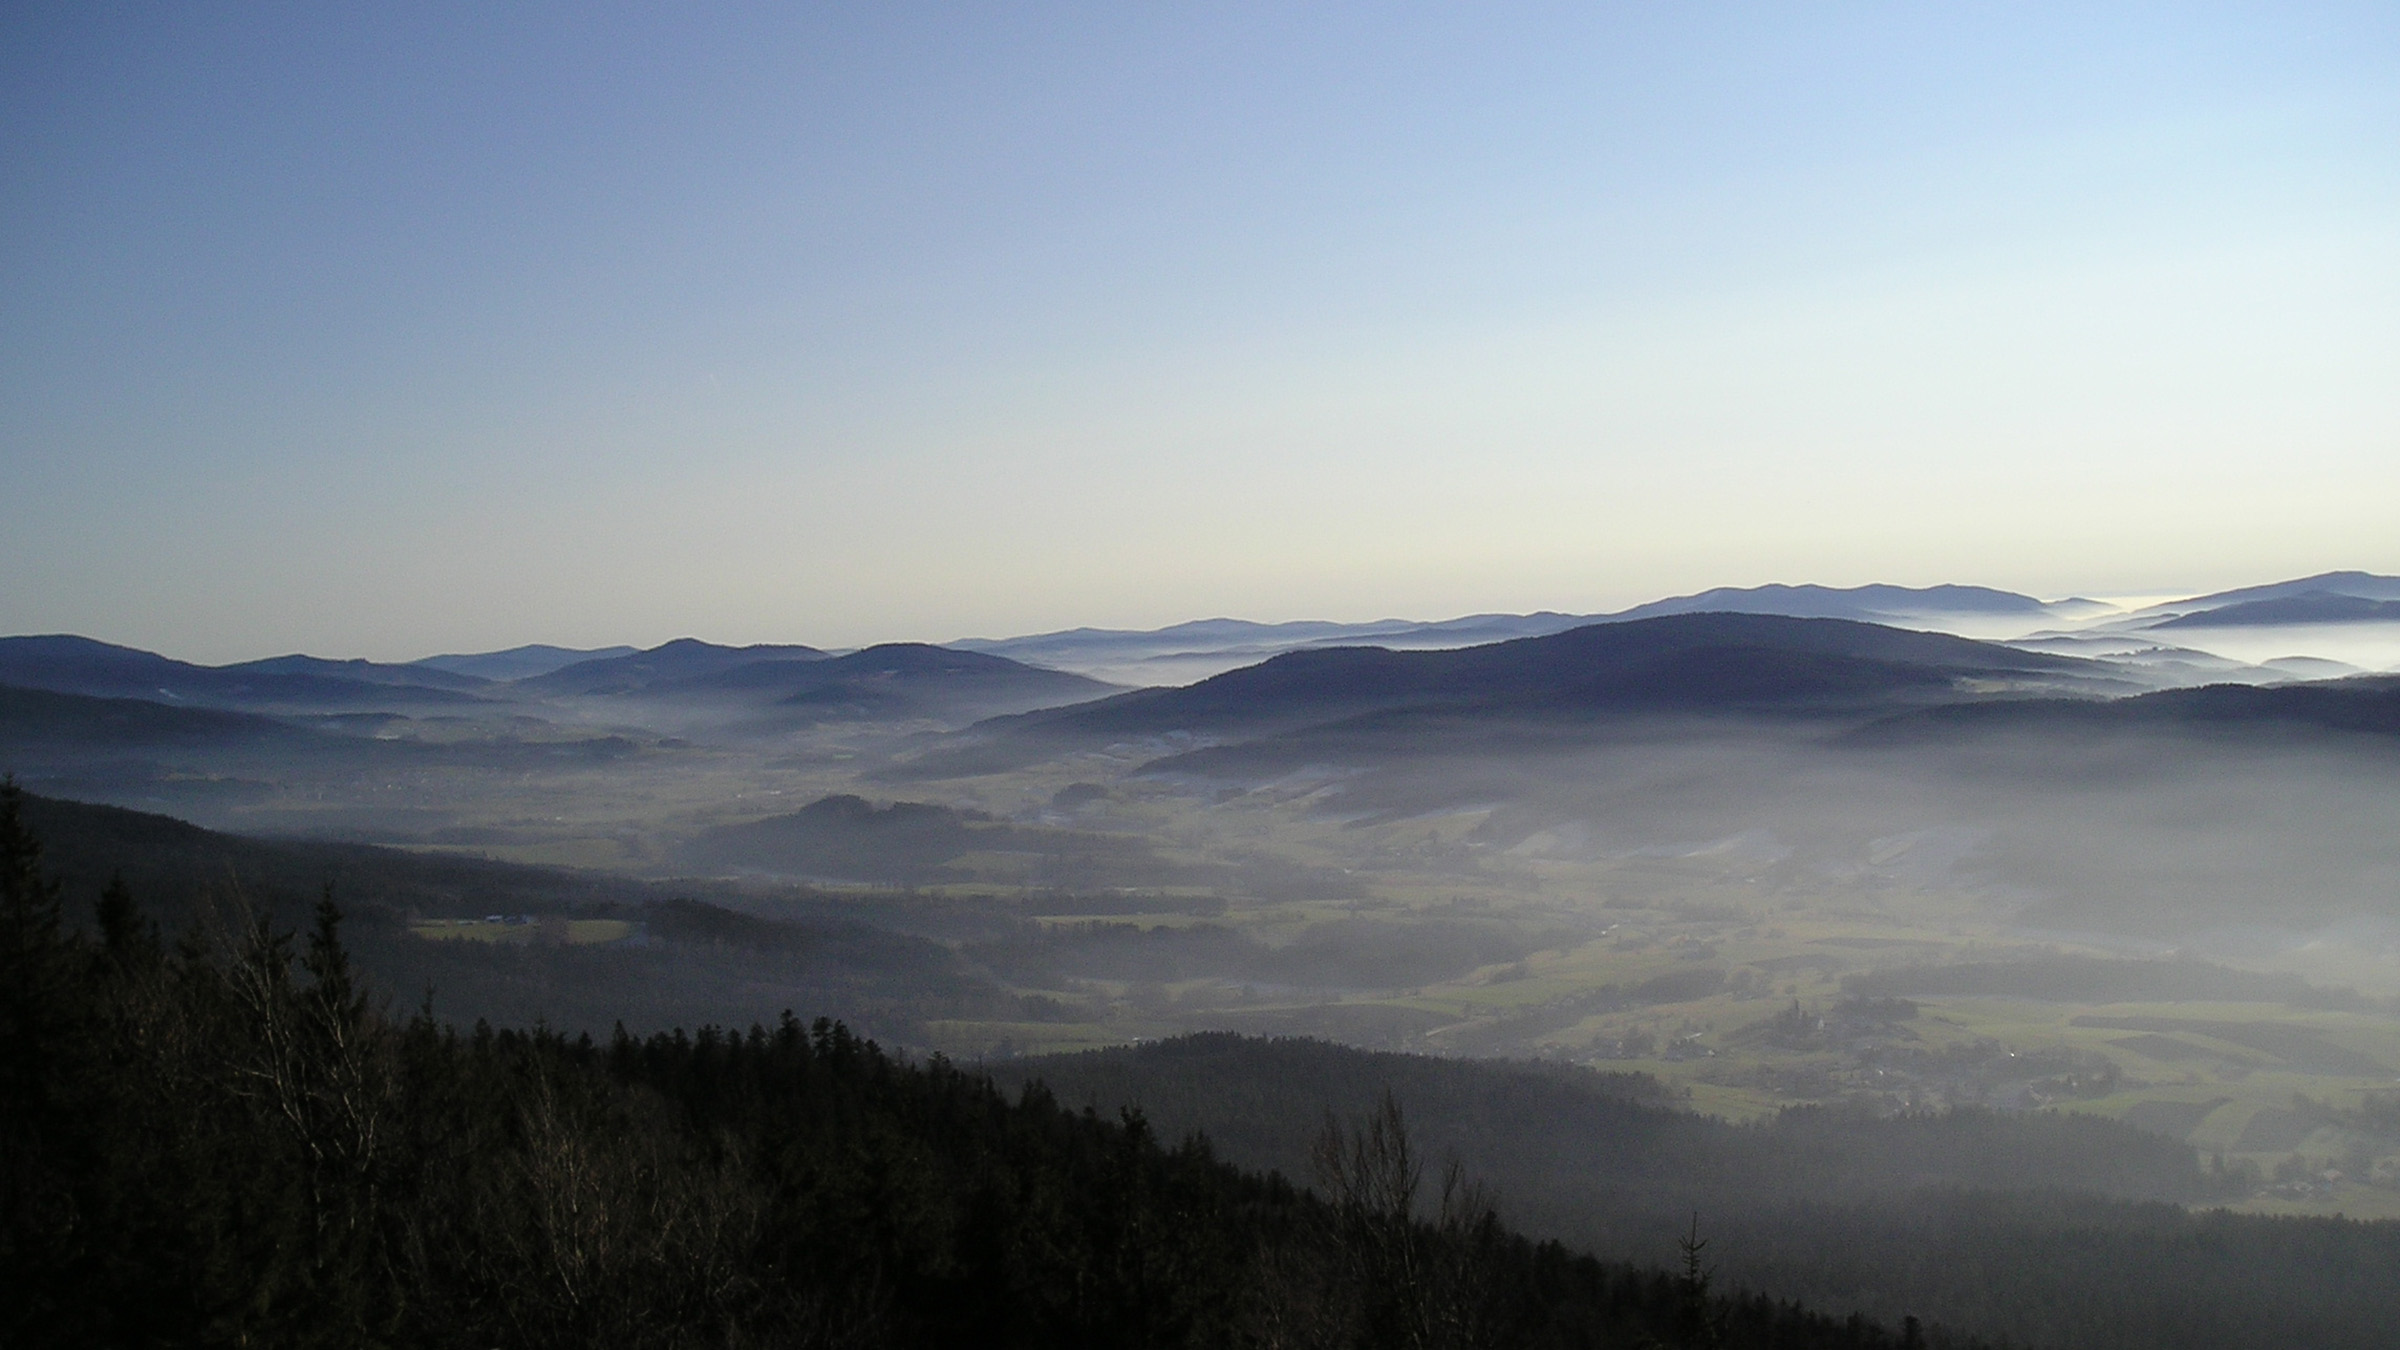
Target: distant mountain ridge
(364,671)
(1123,653)
(2305,608)
(517,663)
(681,659)
(894,680)
(885,662)
(2361,585)
(67,664)
(45,720)
(897,681)
(1178,654)
(1868,604)
(1689,664)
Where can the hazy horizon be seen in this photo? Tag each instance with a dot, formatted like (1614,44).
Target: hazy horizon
(2371,646)
(444,330)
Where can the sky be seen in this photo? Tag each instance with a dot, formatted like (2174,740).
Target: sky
(386,330)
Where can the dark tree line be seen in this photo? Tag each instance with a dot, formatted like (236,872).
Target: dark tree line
(224,1140)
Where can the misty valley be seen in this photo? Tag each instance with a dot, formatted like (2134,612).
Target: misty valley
(2034,951)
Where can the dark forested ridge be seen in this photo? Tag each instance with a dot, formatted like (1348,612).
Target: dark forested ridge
(2367,705)
(224,1141)
(694,961)
(2053,1230)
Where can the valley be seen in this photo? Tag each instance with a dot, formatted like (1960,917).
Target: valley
(1770,860)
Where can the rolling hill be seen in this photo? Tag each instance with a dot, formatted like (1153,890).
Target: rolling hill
(43,723)
(2365,705)
(1681,665)
(898,681)
(681,659)
(2049,1229)
(1866,604)
(1185,651)
(66,664)
(847,838)
(2304,608)
(364,672)
(2361,585)
(688,961)
(517,663)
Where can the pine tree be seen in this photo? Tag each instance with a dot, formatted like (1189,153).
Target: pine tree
(44,1026)
(1697,1316)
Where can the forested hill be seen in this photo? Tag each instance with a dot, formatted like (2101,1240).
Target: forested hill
(224,1143)
(1684,662)
(1675,667)
(2047,1228)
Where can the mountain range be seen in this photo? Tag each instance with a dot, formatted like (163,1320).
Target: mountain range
(63,663)
(1182,653)
(517,663)
(1670,837)
(2315,606)
(892,680)
(70,664)
(2357,585)
(1208,646)
(78,707)
(1681,665)
(681,659)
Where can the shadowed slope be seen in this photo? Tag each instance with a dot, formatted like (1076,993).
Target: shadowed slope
(2310,607)
(897,681)
(63,663)
(682,659)
(1871,604)
(1696,664)
(1691,659)
(2365,705)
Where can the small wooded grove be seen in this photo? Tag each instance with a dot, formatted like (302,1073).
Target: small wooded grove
(223,1140)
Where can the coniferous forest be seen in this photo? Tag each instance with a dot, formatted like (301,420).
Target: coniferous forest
(220,1137)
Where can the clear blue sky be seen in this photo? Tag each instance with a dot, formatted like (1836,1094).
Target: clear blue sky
(380,330)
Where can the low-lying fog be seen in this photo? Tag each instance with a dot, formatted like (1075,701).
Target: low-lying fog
(1851,896)
(2362,646)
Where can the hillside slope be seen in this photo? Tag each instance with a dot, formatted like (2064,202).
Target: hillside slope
(686,962)
(1679,660)
(227,1143)
(66,664)
(2028,1226)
